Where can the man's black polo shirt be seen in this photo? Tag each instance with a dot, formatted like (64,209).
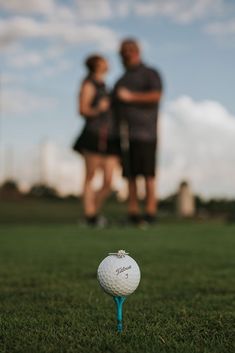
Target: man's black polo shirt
(141,118)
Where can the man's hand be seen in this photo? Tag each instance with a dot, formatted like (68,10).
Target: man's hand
(125,95)
(138,97)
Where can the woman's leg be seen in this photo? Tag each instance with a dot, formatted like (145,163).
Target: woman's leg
(108,165)
(92,163)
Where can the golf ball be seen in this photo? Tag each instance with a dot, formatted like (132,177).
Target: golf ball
(118,274)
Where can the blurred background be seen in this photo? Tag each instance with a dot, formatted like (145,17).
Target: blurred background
(50,299)
(43,45)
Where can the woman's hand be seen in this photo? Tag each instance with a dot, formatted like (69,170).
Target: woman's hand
(103,105)
(125,95)
(87,95)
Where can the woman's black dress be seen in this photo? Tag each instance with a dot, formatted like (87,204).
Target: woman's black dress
(99,134)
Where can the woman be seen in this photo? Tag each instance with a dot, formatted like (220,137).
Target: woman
(97,143)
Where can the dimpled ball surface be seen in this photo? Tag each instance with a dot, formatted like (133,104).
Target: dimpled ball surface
(118,276)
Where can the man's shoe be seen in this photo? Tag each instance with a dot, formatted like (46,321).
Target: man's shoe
(150,218)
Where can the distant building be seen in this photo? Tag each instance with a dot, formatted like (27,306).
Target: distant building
(185,201)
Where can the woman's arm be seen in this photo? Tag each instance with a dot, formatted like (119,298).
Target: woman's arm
(86,97)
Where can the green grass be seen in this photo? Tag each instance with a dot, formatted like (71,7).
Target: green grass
(50,300)
(39,211)
(28,211)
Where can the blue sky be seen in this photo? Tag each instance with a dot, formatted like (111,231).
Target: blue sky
(192,43)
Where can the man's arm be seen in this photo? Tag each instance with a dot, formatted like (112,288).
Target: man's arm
(139,97)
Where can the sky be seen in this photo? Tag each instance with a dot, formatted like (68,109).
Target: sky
(43,44)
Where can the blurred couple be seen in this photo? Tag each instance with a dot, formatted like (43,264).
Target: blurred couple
(120,127)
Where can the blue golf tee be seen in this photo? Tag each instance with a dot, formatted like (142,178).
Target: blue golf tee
(119,302)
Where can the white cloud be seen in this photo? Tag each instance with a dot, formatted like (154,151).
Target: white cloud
(53,70)
(83,10)
(197,140)
(182,11)
(8,78)
(22,28)
(101,10)
(16,102)
(28,6)
(76,24)
(20,57)
(93,10)
(27,59)
(221,28)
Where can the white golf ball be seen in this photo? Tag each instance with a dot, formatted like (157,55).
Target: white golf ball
(119,274)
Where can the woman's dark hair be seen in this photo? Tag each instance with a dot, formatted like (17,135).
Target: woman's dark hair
(92,61)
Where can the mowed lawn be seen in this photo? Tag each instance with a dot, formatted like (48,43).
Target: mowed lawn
(50,300)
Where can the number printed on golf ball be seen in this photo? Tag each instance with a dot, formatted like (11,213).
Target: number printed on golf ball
(118,275)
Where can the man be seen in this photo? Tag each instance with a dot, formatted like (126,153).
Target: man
(137,95)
